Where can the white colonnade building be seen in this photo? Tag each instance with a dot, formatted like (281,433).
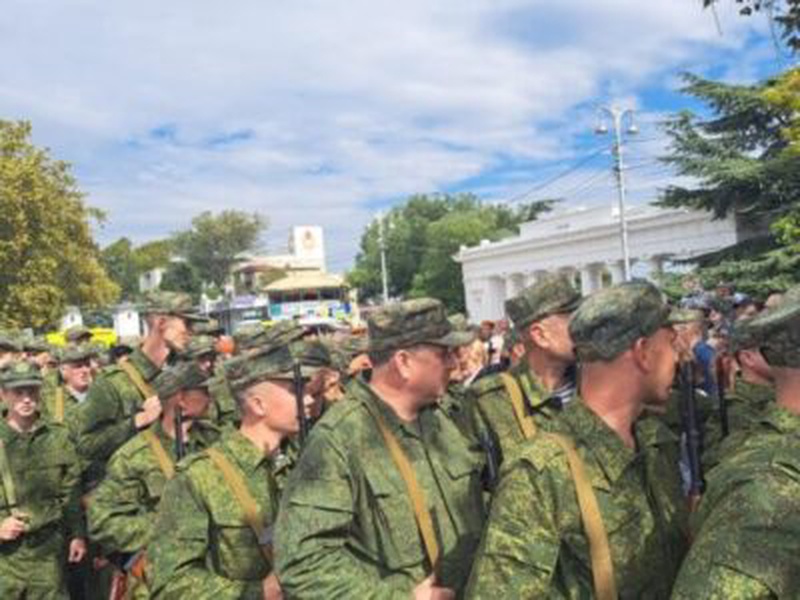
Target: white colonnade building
(585,244)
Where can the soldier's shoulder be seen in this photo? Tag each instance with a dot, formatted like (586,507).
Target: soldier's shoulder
(195,463)
(134,446)
(346,411)
(542,452)
(490,384)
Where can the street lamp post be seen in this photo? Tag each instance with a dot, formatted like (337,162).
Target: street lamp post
(618,116)
(384,273)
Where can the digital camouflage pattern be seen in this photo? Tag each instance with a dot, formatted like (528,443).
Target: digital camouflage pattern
(123,507)
(200,345)
(534,545)
(551,294)
(176,304)
(346,527)
(776,331)
(412,322)
(747,402)
(202,543)
(492,414)
(608,322)
(105,419)
(46,475)
(747,528)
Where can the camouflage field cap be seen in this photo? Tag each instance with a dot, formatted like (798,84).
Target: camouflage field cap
(247,337)
(74,353)
(21,374)
(181,376)
(199,345)
(176,304)
(77,334)
(284,332)
(776,331)
(269,362)
(9,342)
(609,321)
(208,327)
(412,322)
(550,295)
(35,345)
(679,316)
(460,323)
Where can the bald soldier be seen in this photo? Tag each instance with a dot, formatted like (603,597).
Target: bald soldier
(541,541)
(214,531)
(747,528)
(121,401)
(386,501)
(509,407)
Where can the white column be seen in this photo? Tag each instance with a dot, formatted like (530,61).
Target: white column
(496,298)
(530,279)
(510,287)
(655,264)
(590,279)
(517,283)
(617,271)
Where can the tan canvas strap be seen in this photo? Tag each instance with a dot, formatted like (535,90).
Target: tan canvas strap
(7,479)
(164,461)
(252,515)
(58,410)
(605,588)
(136,378)
(524,420)
(421,512)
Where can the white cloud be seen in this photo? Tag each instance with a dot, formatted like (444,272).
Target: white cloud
(343,106)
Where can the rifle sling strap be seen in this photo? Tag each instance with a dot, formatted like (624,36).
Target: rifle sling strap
(605,587)
(247,503)
(164,461)
(7,480)
(524,420)
(145,389)
(421,512)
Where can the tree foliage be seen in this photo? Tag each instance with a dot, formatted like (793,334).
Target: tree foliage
(422,235)
(180,276)
(785,13)
(213,242)
(742,161)
(124,263)
(48,258)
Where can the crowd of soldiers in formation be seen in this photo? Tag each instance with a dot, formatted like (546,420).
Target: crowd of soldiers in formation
(611,446)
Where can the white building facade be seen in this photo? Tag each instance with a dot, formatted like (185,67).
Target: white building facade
(585,244)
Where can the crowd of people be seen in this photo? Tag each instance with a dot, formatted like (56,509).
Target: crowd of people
(609,446)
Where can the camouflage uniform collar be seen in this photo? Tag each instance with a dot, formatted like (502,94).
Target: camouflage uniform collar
(249,458)
(539,398)
(146,367)
(782,420)
(8,433)
(364,394)
(590,432)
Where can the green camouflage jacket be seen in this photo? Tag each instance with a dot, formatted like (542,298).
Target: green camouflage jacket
(71,403)
(747,528)
(223,410)
(535,546)
(105,419)
(746,405)
(201,542)
(45,474)
(493,414)
(346,527)
(122,510)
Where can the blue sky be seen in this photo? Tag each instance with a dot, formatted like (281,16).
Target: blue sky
(321,112)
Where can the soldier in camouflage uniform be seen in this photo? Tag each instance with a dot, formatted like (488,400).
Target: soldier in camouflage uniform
(747,529)
(540,314)
(39,487)
(536,543)
(453,402)
(346,527)
(59,403)
(123,507)
(117,406)
(211,537)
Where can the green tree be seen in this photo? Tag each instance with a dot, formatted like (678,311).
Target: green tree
(48,258)
(740,162)
(117,259)
(212,244)
(422,235)
(180,276)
